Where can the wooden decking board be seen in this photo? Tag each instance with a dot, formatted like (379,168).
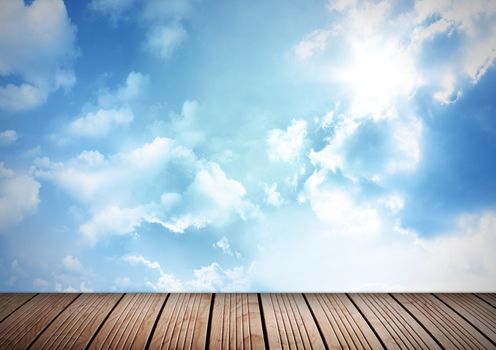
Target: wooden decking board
(477,312)
(9,302)
(236,322)
(247,321)
(289,322)
(24,325)
(130,324)
(449,328)
(396,328)
(341,323)
(183,322)
(488,298)
(75,326)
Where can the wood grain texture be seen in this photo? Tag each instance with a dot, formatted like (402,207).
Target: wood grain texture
(77,324)
(289,322)
(481,315)
(130,324)
(24,325)
(393,324)
(9,302)
(489,298)
(342,325)
(449,328)
(236,322)
(183,322)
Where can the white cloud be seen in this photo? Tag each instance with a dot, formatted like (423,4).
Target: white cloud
(112,110)
(40,283)
(165,283)
(185,127)
(312,43)
(111,221)
(162,20)
(91,177)
(136,85)
(100,123)
(394,203)
(139,259)
(211,198)
(407,144)
(19,196)
(113,8)
(446,94)
(71,263)
(272,197)
(7,137)
(214,278)
(224,245)
(37,45)
(339,211)
(459,260)
(162,41)
(286,145)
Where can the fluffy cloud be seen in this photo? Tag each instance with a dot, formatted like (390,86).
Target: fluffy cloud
(272,197)
(224,245)
(113,8)
(397,259)
(211,198)
(91,176)
(286,145)
(111,221)
(162,41)
(37,45)
(19,196)
(165,283)
(214,278)
(7,137)
(101,122)
(139,259)
(163,21)
(112,110)
(312,43)
(71,263)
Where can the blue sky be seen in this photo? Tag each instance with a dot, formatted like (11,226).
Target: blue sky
(198,145)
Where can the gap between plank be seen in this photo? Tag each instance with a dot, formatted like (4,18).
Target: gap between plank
(484,300)
(103,322)
(463,317)
(53,320)
(264,326)
(150,336)
(368,322)
(209,323)
(316,322)
(416,320)
(17,308)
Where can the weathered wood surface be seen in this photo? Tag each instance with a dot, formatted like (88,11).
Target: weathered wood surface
(247,321)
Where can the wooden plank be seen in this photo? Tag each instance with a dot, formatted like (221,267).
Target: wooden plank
(476,311)
(130,324)
(341,323)
(9,302)
(23,326)
(394,326)
(236,322)
(451,330)
(183,322)
(289,322)
(76,325)
(488,298)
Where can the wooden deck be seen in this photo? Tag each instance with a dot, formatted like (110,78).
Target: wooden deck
(248,321)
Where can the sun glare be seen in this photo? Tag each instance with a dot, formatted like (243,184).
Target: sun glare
(376,75)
